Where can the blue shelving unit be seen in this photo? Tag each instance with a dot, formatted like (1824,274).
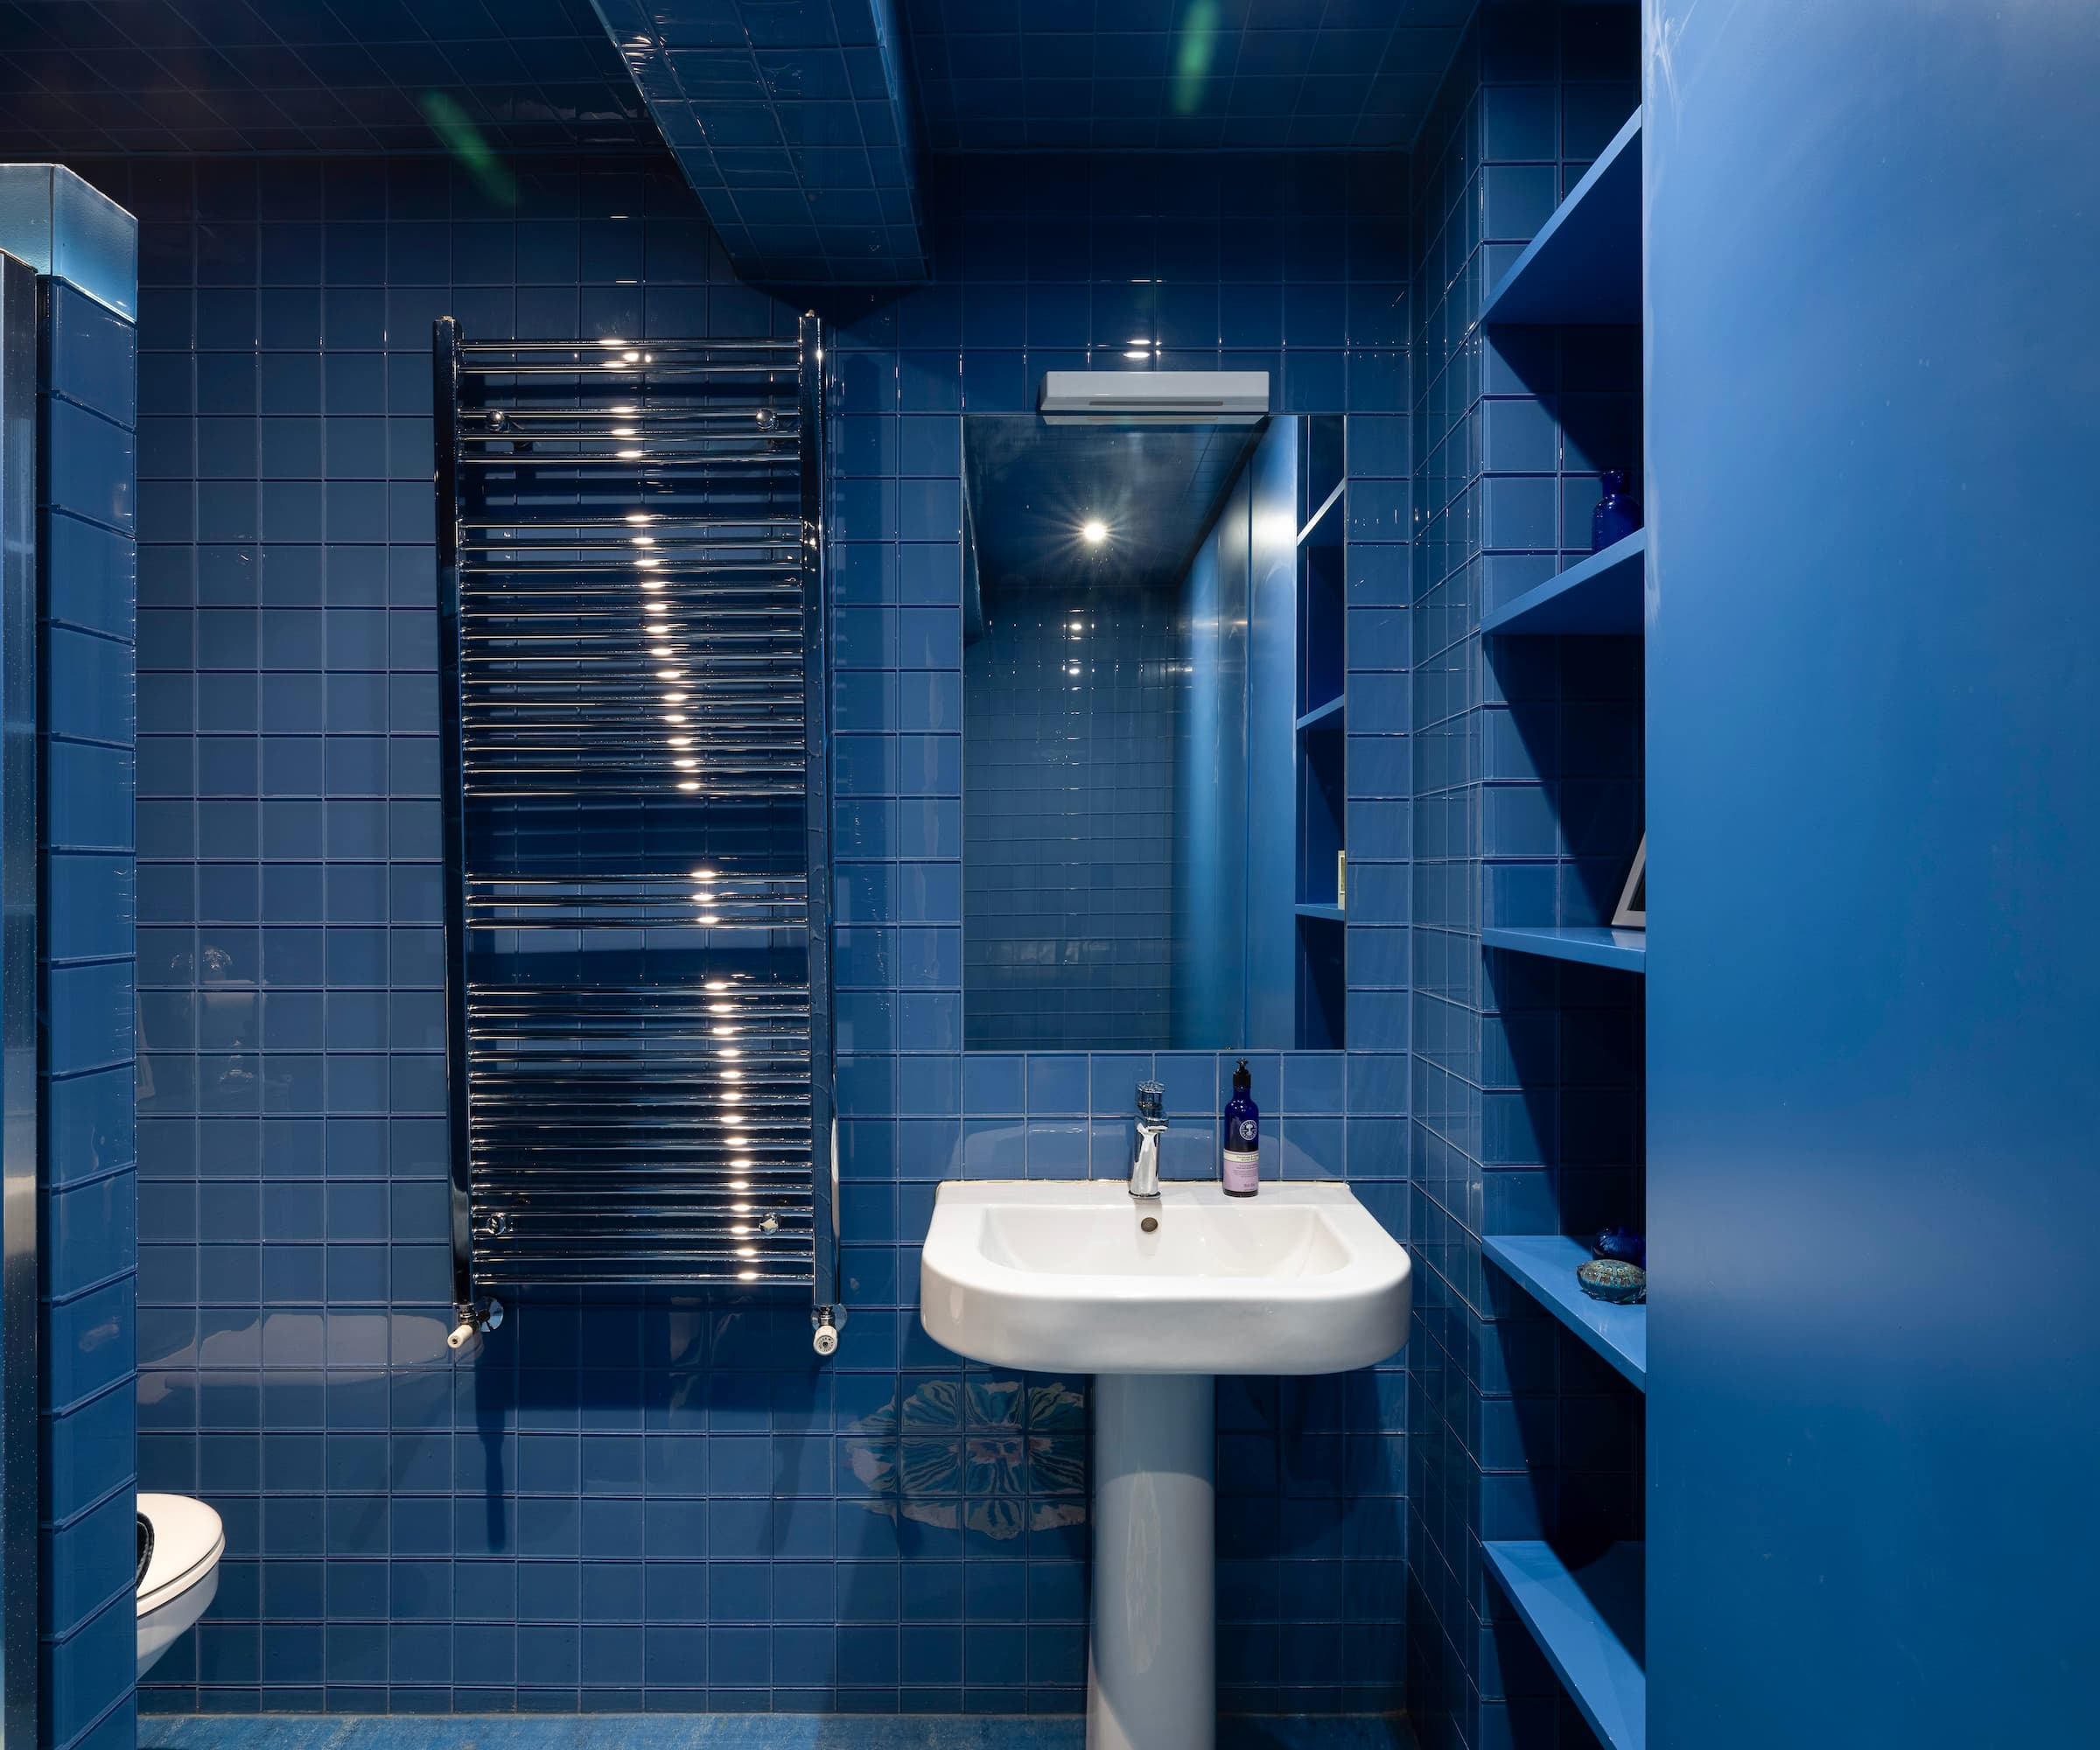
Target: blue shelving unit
(1589,1619)
(1600,597)
(1591,944)
(1585,263)
(1321,742)
(1545,1264)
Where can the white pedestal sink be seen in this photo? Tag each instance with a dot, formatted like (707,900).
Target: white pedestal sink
(1063,1277)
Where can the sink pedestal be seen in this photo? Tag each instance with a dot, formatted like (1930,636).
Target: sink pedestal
(1152,1664)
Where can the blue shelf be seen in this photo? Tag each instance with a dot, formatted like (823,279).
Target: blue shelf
(1330,714)
(1591,944)
(1589,1619)
(1544,1265)
(1600,597)
(1329,913)
(1585,263)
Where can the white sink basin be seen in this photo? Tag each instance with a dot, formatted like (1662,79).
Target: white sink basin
(1062,1276)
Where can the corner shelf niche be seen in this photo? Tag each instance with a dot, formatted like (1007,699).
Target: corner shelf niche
(1321,737)
(1602,596)
(1544,1265)
(1589,1619)
(1585,263)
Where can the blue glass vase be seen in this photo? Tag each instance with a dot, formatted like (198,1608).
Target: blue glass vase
(1617,516)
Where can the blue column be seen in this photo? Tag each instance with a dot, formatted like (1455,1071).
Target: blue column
(84,249)
(1874,827)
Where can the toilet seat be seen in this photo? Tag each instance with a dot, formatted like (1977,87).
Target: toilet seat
(182,1570)
(188,1539)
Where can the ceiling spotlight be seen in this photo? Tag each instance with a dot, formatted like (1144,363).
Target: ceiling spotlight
(1094,532)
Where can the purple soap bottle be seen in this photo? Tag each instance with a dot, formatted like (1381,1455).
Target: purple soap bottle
(1241,1169)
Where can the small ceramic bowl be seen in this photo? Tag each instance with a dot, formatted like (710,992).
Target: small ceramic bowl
(1612,1279)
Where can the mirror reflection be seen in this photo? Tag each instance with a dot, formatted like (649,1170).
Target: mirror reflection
(1152,735)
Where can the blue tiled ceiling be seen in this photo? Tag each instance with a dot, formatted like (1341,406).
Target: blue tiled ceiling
(791,122)
(1131,75)
(79,78)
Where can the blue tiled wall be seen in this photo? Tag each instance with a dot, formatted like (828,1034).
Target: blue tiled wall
(1526,1104)
(85,521)
(668,1504)
(1069,816)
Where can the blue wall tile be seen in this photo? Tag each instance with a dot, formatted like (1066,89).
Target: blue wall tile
(692,1510)
(1524,807)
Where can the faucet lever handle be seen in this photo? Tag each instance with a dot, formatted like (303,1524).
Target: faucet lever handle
(1152,1102)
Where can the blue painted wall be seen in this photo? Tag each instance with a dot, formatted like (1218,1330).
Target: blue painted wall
(1873,717)
(1235,869)
(1526,1101)
(86,479)
(669,1503)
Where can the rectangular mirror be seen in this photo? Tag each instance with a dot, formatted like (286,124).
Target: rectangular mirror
(1152,734)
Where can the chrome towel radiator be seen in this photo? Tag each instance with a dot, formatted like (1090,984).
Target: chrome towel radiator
(632,684)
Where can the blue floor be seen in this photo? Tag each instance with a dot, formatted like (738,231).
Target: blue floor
(717,1732)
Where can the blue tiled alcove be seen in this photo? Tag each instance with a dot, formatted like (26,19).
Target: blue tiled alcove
(665,1504)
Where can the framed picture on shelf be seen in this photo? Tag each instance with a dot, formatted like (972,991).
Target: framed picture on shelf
(1633,898)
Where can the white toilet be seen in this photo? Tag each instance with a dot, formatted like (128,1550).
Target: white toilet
(179,1543)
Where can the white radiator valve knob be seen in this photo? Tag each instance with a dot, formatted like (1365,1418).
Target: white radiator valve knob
(827,1320)
(476,1318)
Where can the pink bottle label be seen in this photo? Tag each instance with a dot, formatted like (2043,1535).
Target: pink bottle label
(1241,1173)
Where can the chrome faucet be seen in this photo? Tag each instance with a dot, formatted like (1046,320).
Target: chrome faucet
(1151,1125)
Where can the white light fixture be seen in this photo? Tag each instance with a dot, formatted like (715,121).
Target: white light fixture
(1094,532)
(1119,397)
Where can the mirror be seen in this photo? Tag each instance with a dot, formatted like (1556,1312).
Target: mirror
(1151,827)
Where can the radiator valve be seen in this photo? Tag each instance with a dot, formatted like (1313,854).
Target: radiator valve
(828,1321)
(475,1317)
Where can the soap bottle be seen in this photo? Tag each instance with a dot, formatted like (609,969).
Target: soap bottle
(1241,1174)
